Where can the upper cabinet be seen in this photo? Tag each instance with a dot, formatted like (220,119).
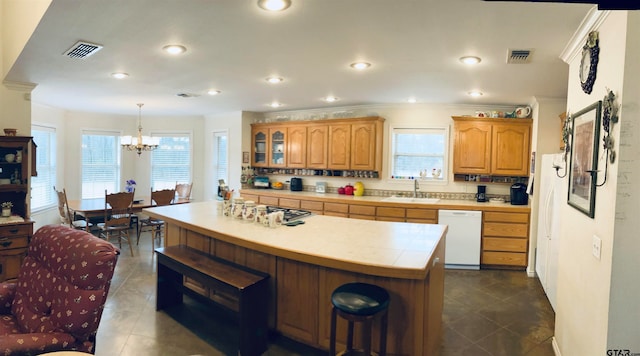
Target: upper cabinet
(17,165)
(339,144)
(498,147)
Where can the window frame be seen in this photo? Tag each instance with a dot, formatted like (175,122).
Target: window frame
(215,156)
(444,130)
(52,167)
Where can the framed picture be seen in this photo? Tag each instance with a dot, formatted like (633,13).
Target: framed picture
(585,136)
(245,157)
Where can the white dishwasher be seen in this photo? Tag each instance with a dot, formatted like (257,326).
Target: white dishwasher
(462,247)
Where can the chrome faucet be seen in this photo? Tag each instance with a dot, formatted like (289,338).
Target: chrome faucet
(416,187)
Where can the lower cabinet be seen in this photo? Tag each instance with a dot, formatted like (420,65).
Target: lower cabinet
(505,238)
(14,241)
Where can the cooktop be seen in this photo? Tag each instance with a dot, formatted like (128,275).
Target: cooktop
(289,214)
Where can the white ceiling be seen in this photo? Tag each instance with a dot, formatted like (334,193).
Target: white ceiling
(233,45)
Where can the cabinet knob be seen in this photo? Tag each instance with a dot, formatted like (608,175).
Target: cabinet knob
(14,231)
(5,242)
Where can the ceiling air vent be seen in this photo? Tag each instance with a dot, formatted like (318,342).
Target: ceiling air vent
(82,50)
(519,56)
(187,95)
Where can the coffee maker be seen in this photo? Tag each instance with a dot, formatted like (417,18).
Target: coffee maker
(481,196)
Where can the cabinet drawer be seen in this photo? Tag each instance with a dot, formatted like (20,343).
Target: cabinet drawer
(506,230)
(247,197)
(362,217)
(504,258)
(499,244)
(333,213)
(269,200)
(8,243)
(506,217)
(15,230)
(430,214)
(336,208)
(311,205)
(289,203)
(422,221)
(390,212)
(362,210)
(390,218)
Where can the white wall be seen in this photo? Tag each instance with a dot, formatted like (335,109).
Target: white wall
(584,282)
(232,124)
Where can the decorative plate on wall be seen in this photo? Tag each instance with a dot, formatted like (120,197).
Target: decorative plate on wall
(589,62)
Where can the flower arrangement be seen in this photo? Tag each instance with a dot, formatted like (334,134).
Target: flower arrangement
(131,185)
(7,205)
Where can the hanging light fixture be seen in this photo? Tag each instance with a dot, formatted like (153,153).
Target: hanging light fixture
(139,143)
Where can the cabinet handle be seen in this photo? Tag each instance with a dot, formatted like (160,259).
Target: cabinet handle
(13,231)
(435,261)
(6,243)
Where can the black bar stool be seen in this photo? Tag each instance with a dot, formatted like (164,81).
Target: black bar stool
(360,302)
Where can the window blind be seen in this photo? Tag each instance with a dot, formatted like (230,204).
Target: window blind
(42,194)
(220,156)
(100,163)
(417,150)
(171,161)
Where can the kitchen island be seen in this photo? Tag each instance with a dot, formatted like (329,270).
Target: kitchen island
(307,262)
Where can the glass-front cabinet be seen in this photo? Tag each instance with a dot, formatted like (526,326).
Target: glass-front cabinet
(259,156)
(277,141)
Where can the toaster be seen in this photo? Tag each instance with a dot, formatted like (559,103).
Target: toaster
(295,184)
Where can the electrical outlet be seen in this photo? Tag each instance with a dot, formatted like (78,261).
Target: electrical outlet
(596,246)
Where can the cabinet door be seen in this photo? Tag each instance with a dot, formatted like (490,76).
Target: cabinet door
(317,149)
(510,149)
(472,148)
(339,146)
(297,286)
(277,141)
(363,146)
(297,147)
(259,148)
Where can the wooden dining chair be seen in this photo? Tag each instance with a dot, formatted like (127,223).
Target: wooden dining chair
(118,208)
(66,217)
(184,190)
(159,198)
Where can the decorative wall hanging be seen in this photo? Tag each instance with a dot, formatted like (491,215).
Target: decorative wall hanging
(609,117)
(566,146)
(584,158)
(589,62)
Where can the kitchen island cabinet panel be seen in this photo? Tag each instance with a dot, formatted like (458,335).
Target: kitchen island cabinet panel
(297,309)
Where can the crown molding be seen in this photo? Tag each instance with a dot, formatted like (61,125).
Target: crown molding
(591,22)
(19,86)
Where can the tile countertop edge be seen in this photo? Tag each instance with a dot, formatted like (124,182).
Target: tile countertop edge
(202,218)
(378,201)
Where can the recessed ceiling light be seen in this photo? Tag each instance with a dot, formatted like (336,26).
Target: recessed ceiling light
(412,100)
(119,75)
(360,65)
(174,49)
(475,93)
(213,92)
(274,5)
(331,99)
(275,104)
(470,60)
(274,80)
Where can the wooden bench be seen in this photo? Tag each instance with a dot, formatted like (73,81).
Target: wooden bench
(237,288)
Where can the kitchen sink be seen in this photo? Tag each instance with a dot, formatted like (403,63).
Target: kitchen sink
(397,199)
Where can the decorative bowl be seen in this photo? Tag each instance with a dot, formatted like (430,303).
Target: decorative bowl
(9,157)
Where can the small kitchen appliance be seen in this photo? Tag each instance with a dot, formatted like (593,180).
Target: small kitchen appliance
(481,196)
(519,194)
(295,184)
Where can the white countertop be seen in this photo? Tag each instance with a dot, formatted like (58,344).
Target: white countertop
(402,250)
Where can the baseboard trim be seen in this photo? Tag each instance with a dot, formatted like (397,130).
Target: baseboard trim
(556,348)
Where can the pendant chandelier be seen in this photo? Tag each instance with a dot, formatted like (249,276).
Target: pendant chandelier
(139,143)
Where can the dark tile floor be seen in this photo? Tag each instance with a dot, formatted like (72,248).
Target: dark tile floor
(485,313)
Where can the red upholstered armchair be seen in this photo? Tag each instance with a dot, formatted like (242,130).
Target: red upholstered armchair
(57,301)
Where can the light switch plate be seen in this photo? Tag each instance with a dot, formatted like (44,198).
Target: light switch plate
(596,246)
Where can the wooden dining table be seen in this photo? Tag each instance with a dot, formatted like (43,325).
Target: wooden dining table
(95,207)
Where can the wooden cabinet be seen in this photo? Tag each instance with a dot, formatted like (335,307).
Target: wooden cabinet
(317,146)
(14,240)
(505,238)
(340,144)
(297,147)
(491,146)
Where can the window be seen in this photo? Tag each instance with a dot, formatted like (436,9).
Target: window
(220,156)
(42,194)
(171,161)
(100,163)
(419,152)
